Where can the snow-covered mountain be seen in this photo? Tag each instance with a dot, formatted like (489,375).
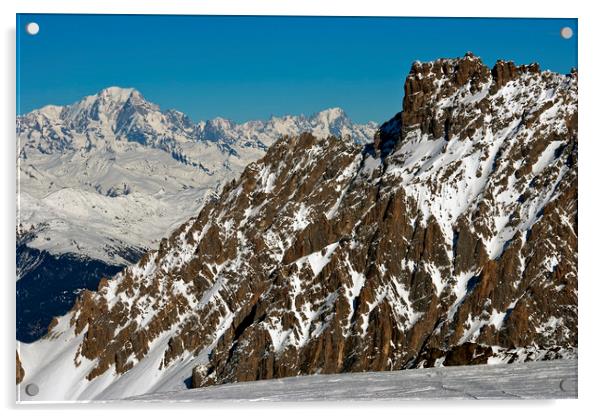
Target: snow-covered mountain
(450,240)
(103,180)
(115,170)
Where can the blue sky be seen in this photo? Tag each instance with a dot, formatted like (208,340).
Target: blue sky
(246,68)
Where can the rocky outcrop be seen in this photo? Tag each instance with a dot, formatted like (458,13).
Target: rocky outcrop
(450,240)
(20,371)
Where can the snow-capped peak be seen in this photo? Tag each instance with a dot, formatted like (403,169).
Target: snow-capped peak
(330,115)
(107,100)
(52,112)
(118,94)
(101,110)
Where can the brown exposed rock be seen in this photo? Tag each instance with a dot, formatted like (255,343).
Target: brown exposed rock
(20,371)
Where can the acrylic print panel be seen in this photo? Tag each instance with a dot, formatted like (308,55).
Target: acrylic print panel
(210,204)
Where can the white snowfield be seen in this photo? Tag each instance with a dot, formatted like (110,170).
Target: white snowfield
(535,380)
(71,213)
(554,379)
(114,173)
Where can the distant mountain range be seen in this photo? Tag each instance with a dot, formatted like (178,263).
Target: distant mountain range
(102,180)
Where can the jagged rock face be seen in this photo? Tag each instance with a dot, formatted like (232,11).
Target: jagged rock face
(450,240)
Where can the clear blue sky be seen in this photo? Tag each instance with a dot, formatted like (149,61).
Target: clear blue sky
(253,67)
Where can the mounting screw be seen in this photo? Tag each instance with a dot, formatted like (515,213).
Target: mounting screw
(568,385)
(566,32)
(32,28)
(32,389)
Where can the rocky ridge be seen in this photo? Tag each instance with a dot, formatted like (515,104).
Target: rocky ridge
(449,240)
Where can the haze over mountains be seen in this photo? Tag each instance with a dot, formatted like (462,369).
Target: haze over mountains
(449,240)
(103,180)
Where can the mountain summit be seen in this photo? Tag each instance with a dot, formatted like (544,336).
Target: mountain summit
(449,240)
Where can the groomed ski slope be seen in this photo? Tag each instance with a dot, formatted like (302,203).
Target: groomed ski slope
(535,380)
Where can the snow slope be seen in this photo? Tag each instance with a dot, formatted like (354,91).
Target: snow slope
(41,358)
(102,205)
(555,379)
